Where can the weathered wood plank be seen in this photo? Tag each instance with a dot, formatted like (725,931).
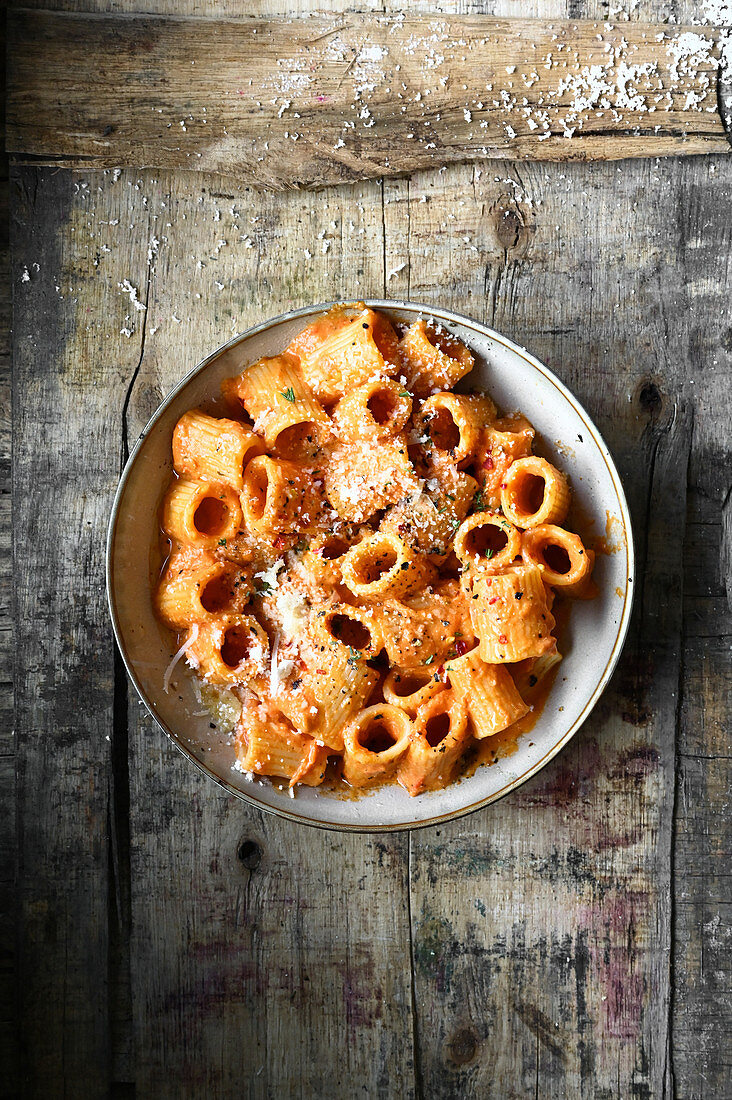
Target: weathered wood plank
(542,926)
(276,959)
(322,100)
(8,845)
(702,1008)
(69,379)
(703,924)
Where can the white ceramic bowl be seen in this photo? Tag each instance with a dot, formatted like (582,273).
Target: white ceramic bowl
(591,644)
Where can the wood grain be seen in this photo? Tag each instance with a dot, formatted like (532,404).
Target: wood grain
(65,466)
(8,838)
(287,102)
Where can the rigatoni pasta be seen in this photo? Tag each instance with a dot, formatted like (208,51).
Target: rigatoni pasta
(361,563)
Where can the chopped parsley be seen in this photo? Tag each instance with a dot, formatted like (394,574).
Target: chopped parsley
(222,542)
(288,394)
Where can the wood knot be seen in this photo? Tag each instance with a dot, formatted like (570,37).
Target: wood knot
(510,224)
(462,1047)
(509,227)
(649,398)
(250,854)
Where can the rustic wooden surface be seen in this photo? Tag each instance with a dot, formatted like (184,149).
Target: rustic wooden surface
(328,99)
(570,941)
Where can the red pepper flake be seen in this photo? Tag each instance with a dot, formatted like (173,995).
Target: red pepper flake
(494,600)
(461,647)
(503,484)
(488,583)
(502,639)
(441,671)
(488,464)
(320,671)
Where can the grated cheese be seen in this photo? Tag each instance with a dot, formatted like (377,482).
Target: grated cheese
(181,652)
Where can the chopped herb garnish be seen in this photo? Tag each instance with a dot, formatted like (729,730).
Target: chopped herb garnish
(288,394)
(488,552)
(430,659)
(222,542)
(517,595)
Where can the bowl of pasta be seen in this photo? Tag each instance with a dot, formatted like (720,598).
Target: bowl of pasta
(370,565)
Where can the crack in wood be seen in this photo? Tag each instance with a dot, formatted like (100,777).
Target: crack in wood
(120,870)
(416,1049)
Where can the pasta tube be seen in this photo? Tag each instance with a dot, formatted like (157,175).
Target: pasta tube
(278,496)
(282,406)
(530,674)
(213,450)
(428,519)
(381,565)
(451,423)
(493,702)
(201,513)
(409,688)
(340,685)
(374,741)
(198,587)
(510,614)
(422,629)
(560,555)
(323,560)
(231,649)
(266,745)
(360,479)
(355,627)
(343,639)
(534,492)
(487,539)
(357,350)
(500,445)
(439,737)
(433,358)
(376,410)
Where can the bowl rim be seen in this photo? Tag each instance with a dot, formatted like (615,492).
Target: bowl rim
(427,311)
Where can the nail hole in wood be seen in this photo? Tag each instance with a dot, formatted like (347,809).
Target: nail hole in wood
(250,854)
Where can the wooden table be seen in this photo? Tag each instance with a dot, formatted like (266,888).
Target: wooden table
(170,941)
